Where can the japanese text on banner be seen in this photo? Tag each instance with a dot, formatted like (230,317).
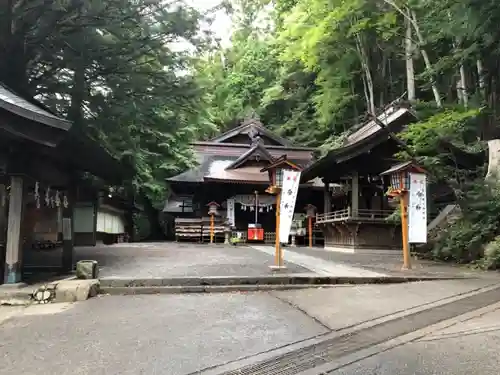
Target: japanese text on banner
(291,181)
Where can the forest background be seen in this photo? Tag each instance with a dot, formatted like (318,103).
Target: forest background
(313,70)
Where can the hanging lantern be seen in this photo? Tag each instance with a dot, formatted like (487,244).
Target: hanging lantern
(310,210)
(399,177)
(213,208)
(275,172)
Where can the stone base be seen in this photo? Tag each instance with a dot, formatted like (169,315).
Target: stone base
(277,268)
(87,269)
(354,250)
(76,290)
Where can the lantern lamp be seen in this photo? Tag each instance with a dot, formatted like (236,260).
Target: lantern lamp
(310,210)
(213,208)
(399,177)
(275,172)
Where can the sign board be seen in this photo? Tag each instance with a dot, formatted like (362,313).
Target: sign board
(230,211)
(289,190)
(417,209)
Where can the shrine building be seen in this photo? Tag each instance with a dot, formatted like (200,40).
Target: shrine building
(230,178)
(360,216)
(42,161)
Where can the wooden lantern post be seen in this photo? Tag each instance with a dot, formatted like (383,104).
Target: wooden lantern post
(400,187)
(212,211)
(275,171)
(310,213)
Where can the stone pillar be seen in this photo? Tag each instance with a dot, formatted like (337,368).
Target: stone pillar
(227,232)
(294,242)
(14,246)
(327,198)
(355,195)
(68,231)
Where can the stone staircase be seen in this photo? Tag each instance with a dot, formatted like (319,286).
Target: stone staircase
(448,215)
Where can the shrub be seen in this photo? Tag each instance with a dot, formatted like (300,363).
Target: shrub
(491,257)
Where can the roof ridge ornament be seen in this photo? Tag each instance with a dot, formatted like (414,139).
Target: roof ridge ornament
(252,115)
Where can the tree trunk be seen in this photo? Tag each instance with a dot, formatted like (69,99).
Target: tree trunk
(412,18)
(480,73)
(425,56)
(493,160)
(410,71)
(156,231)
(368,77)
(78,94)
(462,87)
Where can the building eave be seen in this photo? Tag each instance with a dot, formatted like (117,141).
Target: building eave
(236,145)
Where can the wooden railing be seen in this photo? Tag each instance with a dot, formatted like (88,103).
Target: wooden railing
(347,214)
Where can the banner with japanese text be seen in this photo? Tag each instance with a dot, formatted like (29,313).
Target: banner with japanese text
(289,191)
(417,209)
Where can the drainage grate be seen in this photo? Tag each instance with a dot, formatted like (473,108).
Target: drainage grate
(310,357)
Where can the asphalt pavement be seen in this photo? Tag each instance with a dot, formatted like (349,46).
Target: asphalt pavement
(185,334)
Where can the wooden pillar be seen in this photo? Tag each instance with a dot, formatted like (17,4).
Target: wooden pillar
(212,228)
(278,255)
(13,252)
(355,195)
(310,230)
(68,230)
(403,199)
(326,198)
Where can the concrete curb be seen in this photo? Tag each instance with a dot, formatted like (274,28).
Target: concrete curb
(290,279)
(135,290)
(64,290)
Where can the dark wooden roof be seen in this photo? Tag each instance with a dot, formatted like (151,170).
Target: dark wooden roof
(360,143)
(404,166)
(230,156)
(24,123)
(256,150)
(248,127)
(17,105)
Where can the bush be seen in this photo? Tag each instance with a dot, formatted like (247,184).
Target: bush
(463,241)
(491,257)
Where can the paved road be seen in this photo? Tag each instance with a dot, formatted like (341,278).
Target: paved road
(391,263)
(181,334)
(470,348)
(170,259)
(171,335)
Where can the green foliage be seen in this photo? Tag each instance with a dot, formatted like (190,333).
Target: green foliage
(109,68)
(491,258)
(463,241)
(426,140)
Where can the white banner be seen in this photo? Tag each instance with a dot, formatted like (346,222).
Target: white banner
(230,211)
(417,209)
(291,181)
